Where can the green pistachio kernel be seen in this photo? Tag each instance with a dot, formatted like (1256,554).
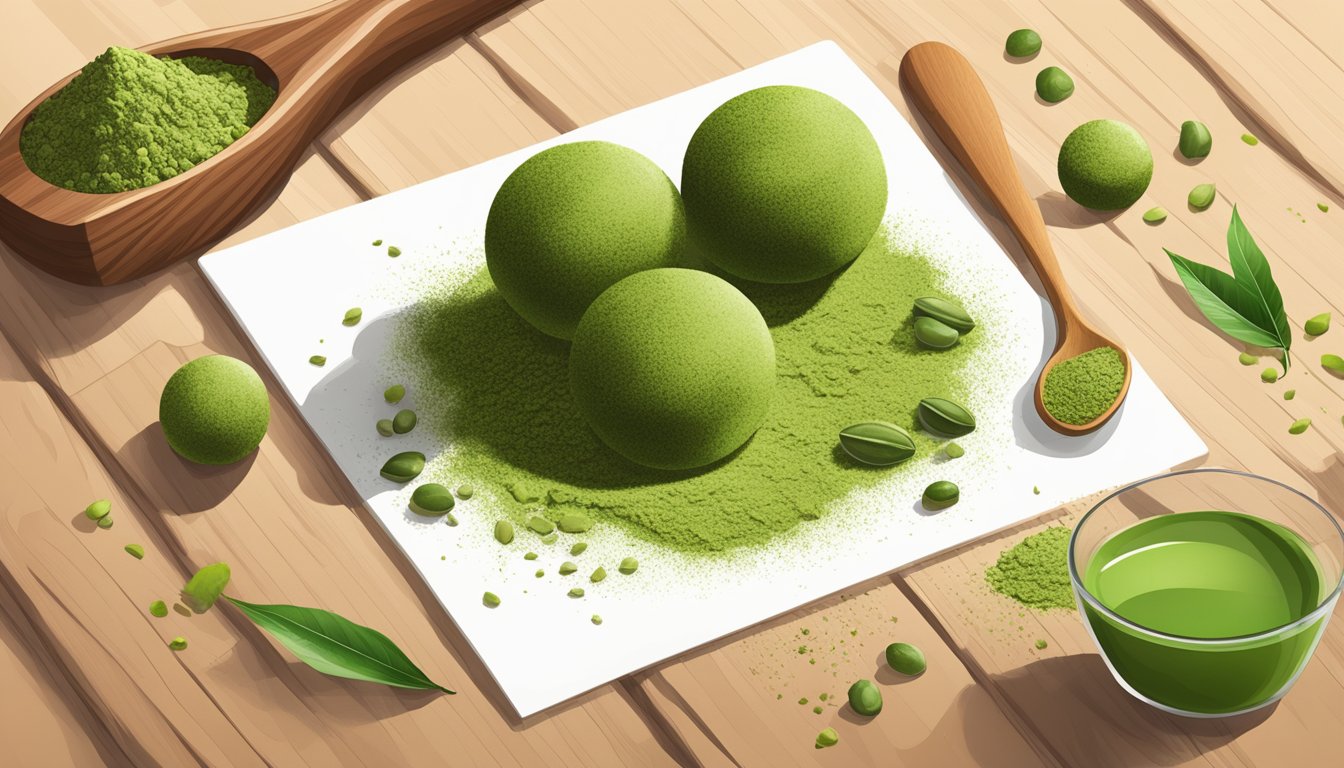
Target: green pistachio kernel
(1333,364)
(941,494)
(404,467)
(1269,375)
(384,427)
(377,243)
(394,393)
(1195,141)
(1246,358)
(1299,426)
(948,313)
(1155,215)
(318,360)
(1250,139)
(576,592)
(934,334)
(393,251)
(877,443)
(578,548)
(597,620)
(567,568)
(1041,645)
(827,738)
(954,451)
(1289,394)
(598,575)
(628,566)
(540,525)
(1053,85)
(906,659)
(1323,208)
(135,550)
(1317,325)
(490,600)
(465,492)
(352,316)
(105,522)
(431,500)
(504,532)
(574,522)
(1022,43)
(865,698)
(530,556)
(205,587)
(550,538)
(98,509)
(540,573)
(158,609)
(178,643)
(1202,196)
(944,417)
(404,421)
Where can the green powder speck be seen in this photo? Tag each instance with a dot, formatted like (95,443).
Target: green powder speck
(845,351)
(1035,572)
(130,120)
(1081,388)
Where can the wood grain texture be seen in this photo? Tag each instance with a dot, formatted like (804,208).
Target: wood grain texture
(293,531)
(319,60)
(1127,69)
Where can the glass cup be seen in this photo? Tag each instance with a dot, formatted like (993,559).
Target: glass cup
(1207,677)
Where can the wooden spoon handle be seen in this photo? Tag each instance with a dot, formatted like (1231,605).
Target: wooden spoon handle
(954,101)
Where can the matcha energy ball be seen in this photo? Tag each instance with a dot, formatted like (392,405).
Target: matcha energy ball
(574,219)
(214,410)
(673,368)
(783,185)
(1105,165)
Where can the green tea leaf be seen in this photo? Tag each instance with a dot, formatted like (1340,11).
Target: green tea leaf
(337,646)
(1224,301)
(1251,269)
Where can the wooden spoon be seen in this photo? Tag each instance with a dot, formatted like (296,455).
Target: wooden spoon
(320,61)
(954,101)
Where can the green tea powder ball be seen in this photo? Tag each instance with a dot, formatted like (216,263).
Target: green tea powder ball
(783,185)
(1105,165)
(574,219)
(673,368)
(214,410)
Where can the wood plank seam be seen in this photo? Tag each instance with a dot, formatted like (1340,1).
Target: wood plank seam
(343,171)
(1252,114)
(1023,724)
(667,736)
(532,97)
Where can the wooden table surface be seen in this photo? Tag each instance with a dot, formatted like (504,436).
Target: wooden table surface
(85,674)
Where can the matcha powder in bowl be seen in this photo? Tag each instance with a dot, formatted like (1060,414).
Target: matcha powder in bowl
(496,392)
(130,120)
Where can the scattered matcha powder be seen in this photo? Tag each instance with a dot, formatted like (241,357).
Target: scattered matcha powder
(842,354)
(1035,572)
(1081,388)
(130,120)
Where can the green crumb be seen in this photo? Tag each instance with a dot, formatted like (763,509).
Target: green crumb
(393,394)
(827,738)
(597,620)
(178,643)
(824,696)
(377,242)
(318,360)
(1022,43)
(550,538)
(105,522)
(490,600)
(158,609)
(465,492)
(540,573)
(1246,358)
(1035,572)
(1041,644)
(393,251)
(1195,140)
(954,451)
(817,710)
(130,120)
(628,566)
(1269,375)
(352,316)
(1082,388)
(802,702)
(135,550)
(205,587)
(511,416)
(1036,489)
(1250,139)
(598,575)
(806,631)
(576,592)
(1299,426)
(567,568)
(530,556)
(98,509)
(504,532)
(1289,394)
(1323,207)
(578,548)
(1053,85)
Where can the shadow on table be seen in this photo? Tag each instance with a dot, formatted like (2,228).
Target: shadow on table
(1074,702)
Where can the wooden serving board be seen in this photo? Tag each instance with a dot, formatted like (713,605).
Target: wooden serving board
(290,289)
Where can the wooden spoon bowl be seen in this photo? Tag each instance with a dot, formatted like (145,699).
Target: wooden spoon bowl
(319,61)
(952,98)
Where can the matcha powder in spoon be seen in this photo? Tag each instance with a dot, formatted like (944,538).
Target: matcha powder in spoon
(130,120)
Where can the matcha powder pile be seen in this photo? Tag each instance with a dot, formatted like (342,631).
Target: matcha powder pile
(1081,388)
(498,392)
(1035,572)
(130,120)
